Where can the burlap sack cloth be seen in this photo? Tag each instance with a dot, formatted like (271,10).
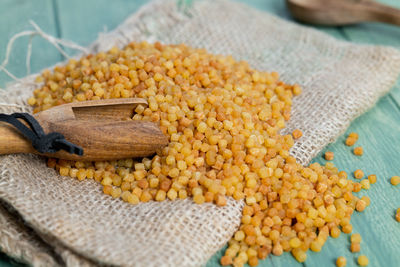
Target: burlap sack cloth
(49,220)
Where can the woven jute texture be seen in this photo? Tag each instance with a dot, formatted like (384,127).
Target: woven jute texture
(73,223)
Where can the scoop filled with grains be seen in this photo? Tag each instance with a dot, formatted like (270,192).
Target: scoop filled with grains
(223,121)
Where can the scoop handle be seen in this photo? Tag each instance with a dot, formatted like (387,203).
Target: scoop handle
(381,13)
(100,140)
(11,141)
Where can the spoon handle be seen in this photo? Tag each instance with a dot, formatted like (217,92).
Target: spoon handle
(11,141)
(381,13)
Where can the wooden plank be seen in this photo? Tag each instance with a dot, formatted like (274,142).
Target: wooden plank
(376,224)
(82,25)
(375,33)
(14,18)
(379,130)
(82,21)
(282,261)
(285,260)
(278,8)
(378,34)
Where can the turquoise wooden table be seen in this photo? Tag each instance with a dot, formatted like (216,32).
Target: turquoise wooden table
(379,129)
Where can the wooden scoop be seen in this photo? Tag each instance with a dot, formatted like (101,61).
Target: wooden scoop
(99,127)
(342,12)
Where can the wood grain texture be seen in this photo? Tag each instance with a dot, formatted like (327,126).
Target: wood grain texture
(342,12)
(11,141)
(82,21)
(101,127)
(377,34)
(379,129)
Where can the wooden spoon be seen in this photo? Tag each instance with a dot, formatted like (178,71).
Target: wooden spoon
(100,127)
(342,12)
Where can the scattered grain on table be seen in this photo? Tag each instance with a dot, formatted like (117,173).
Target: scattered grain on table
(341,261)
(366,199)
(365,184)
(329,155)
(362,260)
(372,178)
(397,216)
(358,151)
(355,238)
(351,139)
(355,247)
(395,180)
(358,174)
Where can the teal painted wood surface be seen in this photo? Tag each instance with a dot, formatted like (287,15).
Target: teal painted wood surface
(379,129)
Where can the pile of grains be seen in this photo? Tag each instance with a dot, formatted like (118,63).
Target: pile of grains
(223,121)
